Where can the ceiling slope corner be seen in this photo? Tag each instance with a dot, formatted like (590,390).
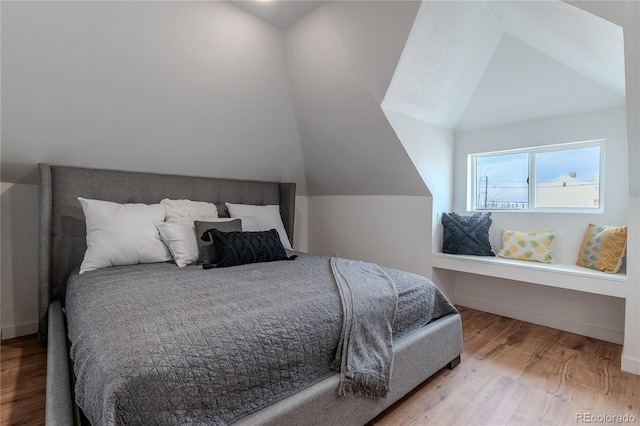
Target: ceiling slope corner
(373,54)
(585,42)
(349,147)
(446,54)
(522,83)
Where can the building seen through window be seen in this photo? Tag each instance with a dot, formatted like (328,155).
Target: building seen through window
(564,176)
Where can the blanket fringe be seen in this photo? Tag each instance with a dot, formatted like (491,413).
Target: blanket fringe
(363,384)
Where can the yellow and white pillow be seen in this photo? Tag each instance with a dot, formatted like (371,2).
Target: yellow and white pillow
(603,248)
(534,246)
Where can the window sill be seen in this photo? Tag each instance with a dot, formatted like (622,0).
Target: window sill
(571,277)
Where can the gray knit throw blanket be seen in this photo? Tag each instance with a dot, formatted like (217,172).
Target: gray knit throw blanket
(364,355)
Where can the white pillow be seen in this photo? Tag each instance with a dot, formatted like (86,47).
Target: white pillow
(122,234)
(180,210)
(180,237)
(249,224)
(268,217)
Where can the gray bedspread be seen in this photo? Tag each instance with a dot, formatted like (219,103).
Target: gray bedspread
(155,344)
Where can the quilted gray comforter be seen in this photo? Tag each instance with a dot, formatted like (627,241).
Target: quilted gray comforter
(157,344)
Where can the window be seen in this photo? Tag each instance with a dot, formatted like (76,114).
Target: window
(545,178)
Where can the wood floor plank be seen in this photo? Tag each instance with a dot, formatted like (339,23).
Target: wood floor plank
(23,366)
(511,372)
(19,350)
(497,405)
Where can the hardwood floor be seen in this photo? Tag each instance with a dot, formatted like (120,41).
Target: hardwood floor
(511,372)
(23,362)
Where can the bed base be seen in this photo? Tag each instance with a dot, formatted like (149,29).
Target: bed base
(418,356)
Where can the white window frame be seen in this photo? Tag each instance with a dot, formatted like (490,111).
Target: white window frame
(472,177)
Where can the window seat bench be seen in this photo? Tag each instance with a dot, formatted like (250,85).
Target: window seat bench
(567,276)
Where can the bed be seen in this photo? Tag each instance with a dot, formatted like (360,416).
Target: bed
(421,351)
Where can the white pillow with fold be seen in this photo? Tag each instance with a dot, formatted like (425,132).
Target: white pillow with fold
(180,237)
(268,217)
(122,234)
(180,210)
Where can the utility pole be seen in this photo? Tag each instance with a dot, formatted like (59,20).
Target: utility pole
(486,190)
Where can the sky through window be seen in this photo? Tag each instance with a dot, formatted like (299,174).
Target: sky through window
(502,179)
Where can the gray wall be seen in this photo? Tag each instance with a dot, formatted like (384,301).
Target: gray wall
(196,88)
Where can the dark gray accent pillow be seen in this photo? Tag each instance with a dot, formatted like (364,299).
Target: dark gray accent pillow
(467,234)
(206,250)
(241,248)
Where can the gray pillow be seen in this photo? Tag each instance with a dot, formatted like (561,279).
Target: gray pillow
(466,234)
(206,249)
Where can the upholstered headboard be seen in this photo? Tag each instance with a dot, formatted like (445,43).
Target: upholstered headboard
(62,224)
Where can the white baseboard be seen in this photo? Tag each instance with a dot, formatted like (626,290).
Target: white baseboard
(630,365)
(11,331)
(547,321)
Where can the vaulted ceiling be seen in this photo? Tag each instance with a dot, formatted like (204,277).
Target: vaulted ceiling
(306,97)
(478,64)
(456,65)
(281,14)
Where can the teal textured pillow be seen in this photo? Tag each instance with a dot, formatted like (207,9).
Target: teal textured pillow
(467,234)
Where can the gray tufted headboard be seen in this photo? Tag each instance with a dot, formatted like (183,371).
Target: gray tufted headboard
(62,225)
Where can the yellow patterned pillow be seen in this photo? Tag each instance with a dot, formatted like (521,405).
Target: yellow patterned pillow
(534,246)
(603,248)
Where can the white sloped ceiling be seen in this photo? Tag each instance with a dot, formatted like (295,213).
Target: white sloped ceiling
(583,42)
(544,88)
(478,64)
(445,57)
(341,58)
